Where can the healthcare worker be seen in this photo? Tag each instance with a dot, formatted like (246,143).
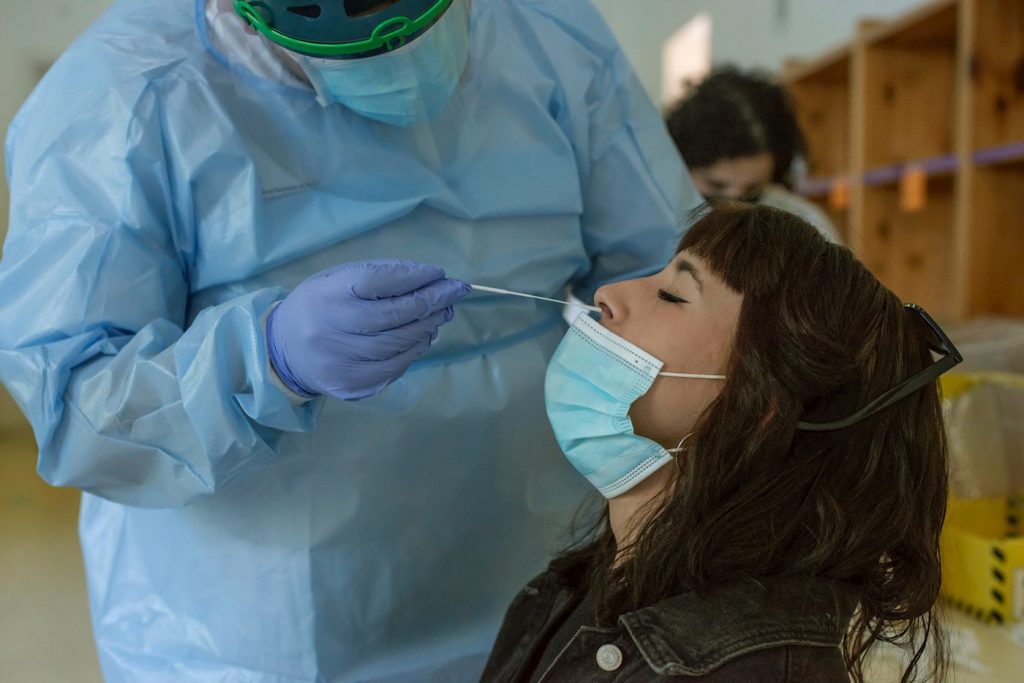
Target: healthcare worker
(219,216)
(738,133)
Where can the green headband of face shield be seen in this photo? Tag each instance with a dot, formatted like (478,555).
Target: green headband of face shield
(328,29)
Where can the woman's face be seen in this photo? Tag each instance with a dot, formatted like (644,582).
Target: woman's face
(742,178)
(686,317)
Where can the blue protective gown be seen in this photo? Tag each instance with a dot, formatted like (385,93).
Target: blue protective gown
(164,197)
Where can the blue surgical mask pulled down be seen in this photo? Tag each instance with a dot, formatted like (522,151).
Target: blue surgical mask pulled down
(592,380)
(404,87)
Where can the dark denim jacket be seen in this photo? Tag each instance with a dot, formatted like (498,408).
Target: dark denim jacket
(776,630)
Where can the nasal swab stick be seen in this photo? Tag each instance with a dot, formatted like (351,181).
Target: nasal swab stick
(495,290)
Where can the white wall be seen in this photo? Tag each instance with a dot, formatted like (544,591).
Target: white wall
(34,35)
(750,33)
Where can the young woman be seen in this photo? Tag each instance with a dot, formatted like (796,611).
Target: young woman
(763,417)
(739,135)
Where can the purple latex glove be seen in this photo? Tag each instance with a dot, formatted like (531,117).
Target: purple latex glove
(351,330)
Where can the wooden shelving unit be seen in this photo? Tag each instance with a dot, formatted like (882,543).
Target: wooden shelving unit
(916,147)
(993,210)
(997,71)
(821,91)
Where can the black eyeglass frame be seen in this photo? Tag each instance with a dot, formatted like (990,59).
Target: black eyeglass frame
(951,357)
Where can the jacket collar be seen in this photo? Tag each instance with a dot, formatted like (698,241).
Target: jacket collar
(693,634)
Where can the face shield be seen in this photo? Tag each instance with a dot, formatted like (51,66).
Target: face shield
(395,61)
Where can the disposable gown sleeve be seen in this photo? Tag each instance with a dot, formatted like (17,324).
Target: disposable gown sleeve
(637,192)
(125,402)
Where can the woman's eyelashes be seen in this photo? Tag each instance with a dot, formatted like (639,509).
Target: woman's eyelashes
(671,298)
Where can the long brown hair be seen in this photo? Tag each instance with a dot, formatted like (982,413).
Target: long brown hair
(818,337)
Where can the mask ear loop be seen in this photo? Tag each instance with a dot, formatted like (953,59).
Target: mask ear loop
(679,447)
(677,450)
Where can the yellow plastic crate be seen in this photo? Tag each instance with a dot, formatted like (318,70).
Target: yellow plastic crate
(981,545)
(983,559)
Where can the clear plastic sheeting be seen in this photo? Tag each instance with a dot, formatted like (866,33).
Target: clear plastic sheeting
(990,344)
(985,409)
(985,430)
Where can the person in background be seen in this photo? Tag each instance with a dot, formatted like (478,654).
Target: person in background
(739,136)
(764,419)
(296,464)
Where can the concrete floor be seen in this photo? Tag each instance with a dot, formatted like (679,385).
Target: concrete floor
(44,621)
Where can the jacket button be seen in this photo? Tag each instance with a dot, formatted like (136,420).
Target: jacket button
(609,657)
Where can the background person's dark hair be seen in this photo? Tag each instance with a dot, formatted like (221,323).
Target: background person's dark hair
(732,114)
(817,338)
